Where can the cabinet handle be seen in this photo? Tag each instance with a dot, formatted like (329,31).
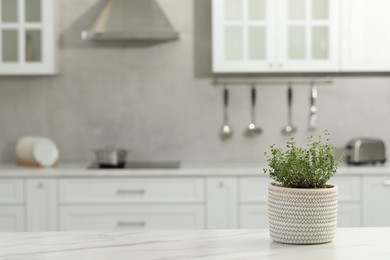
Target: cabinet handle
(129,192)
(131,223)
(40,185)
(386,183)
(280,65)
(221,184)
(271,65)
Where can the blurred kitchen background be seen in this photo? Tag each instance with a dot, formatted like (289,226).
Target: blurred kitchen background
(158,100)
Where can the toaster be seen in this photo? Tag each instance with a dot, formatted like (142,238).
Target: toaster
(365,150)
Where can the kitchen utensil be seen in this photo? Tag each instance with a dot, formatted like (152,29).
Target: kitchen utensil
(313,107)
(365,150)
(226,130)
(289,128)
(36,151)
(252,129)
(111,157)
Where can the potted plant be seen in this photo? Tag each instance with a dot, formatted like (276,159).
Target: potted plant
(302,207)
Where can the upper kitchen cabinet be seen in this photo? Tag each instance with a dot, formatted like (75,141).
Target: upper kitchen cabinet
(365,35)
(308,35)
(27,38)
(244,35)
(275,35)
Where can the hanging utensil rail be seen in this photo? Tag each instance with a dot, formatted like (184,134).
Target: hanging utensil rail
(271,81)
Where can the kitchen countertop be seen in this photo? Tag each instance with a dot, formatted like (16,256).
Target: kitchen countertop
(351,243)
(187,169)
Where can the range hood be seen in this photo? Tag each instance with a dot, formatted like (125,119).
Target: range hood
(131,20)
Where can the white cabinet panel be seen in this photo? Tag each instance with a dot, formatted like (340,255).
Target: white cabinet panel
(27,37)
(11,191)
(308,38)
(253,216)
(41,204)
(348,214)
(131,190)
(349,187)
(365,35)
(11,218)
(243,35)
(275,36)
(141,217)
(376,203)
(254,189)
(221,203)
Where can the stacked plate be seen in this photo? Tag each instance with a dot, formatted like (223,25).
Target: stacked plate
(37,151)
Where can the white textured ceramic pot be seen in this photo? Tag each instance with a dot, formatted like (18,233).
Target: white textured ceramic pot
(302,216)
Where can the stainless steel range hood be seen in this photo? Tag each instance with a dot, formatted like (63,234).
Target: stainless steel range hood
(131,20)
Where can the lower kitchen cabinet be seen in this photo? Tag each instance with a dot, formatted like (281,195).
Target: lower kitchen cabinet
(131,217)
(41,204)
(221,203)
(348,214)
(376,205)
(11,218)
(254,216)
(142,203)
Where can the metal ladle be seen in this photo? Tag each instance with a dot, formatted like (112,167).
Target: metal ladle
(252,129)
(226,130)
(289,128)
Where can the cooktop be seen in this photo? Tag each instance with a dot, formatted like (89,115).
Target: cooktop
(139,165)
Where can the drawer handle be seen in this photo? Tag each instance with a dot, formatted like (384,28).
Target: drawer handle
(129,192)
(386,183)
(131,223)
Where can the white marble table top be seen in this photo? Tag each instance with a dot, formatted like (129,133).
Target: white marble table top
(186,170)
(354,243)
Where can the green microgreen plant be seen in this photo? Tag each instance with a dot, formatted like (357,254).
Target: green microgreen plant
(297,167)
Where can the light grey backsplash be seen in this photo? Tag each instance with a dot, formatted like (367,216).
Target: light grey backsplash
(158,100)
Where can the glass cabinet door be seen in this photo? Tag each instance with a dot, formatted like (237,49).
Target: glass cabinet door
(27,37)
(243,32)
(308,35)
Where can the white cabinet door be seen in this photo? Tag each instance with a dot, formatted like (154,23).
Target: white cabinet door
(276,36)
(11,218)
(376,203)
(348,214)
(11,191)
(253,215)
(308,38)
(244,35)
(365,35)
(41,204)
(349,200)
(124,217)
(27,37)
(221,203)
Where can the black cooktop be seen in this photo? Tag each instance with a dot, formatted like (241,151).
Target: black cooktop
(139,165)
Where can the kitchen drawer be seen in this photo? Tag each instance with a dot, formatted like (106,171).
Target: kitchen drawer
(11,191)
(254,189)
(254,216)
(140,217)
(12,218)
(131,190)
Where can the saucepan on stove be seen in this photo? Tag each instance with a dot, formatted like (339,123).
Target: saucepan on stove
(110,157)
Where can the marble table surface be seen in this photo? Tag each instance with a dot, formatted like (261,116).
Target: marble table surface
(352,243)
(186,169)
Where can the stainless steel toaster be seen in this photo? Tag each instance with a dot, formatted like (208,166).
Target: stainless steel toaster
(365,150)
